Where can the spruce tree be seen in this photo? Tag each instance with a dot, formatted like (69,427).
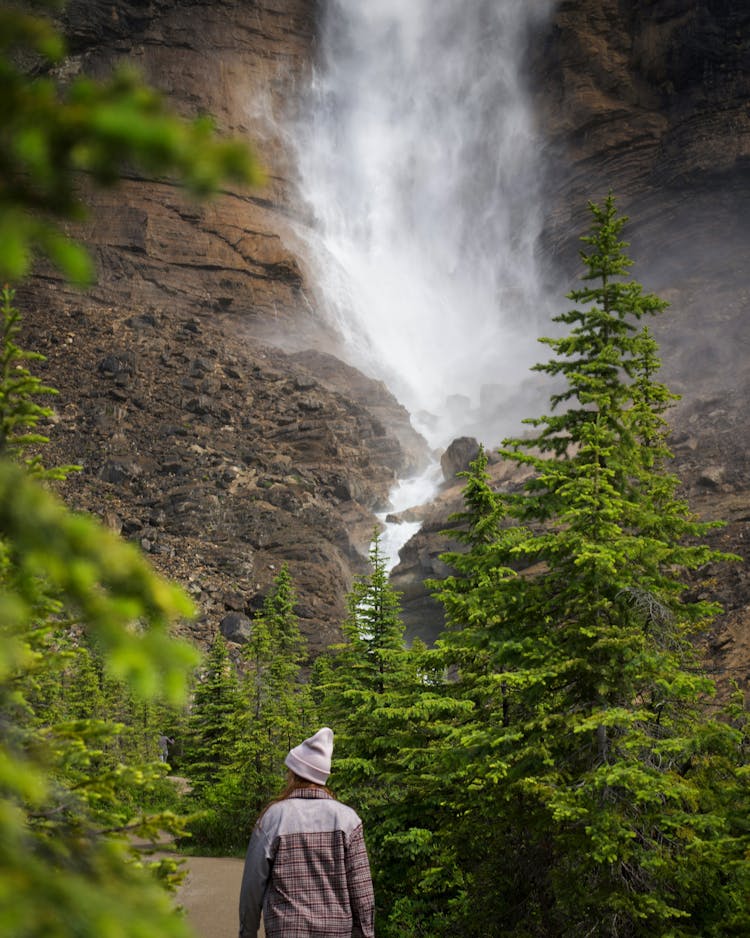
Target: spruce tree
(213,721)
(597,778)
(356,678)
(382,702)
(268,711)
(278,711)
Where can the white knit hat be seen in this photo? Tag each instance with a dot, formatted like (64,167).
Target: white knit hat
(312,758)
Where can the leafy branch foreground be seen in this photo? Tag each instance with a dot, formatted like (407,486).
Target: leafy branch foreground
(84,642)
(88,667)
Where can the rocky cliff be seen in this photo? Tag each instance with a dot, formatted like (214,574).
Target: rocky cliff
(220,455)
(224,456)
(650,100)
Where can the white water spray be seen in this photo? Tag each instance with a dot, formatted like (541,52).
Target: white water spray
(408,493)
(420,164)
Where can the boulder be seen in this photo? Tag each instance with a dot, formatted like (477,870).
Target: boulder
(236,627)
(457,457)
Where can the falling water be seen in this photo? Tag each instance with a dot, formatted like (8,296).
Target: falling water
(421,168)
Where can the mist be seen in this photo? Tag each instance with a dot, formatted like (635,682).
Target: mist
(421,168)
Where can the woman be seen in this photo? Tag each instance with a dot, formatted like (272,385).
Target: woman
(306,866)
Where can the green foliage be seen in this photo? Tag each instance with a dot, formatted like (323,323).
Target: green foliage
(84,621)
(387,712)
(74,782)
(589,782)
(247,726)
(50,133)
(66,801)
(19,411)
(213,721)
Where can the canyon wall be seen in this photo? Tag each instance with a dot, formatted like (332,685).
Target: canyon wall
(224,456)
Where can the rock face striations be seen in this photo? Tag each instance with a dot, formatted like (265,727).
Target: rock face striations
(224,456)
(242,63)
(652,102)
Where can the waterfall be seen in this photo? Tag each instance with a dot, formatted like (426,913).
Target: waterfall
(420,165)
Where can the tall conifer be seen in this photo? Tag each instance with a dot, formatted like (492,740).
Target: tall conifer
(277,704)
(589,742)
(385,708)
(212,728)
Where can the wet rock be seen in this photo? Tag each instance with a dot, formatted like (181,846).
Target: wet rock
(457,457)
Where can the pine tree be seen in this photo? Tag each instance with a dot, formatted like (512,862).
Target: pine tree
(570,631)
(213,721)
(270,712)
(278,706)
(367,671)
(382,703)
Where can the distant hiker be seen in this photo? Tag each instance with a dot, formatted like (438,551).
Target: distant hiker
(164,743)
(306,867)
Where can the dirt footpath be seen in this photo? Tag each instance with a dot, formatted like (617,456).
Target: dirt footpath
(210,895)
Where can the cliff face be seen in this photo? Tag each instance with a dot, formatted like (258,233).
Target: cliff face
(242,63)
(223,457)
(650,100)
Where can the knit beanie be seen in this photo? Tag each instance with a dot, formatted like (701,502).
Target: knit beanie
(312,758)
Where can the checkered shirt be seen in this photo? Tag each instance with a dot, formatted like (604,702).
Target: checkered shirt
(307,869)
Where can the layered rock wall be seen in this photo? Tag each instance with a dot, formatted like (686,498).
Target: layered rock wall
(220,456)
(243,63)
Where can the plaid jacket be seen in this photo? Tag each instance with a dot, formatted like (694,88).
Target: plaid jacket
(307,869)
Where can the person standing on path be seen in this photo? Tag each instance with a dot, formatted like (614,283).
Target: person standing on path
(306,866)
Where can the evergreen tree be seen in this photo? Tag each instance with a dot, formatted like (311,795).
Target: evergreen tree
(269,712)
(356,678)
(597,782)
(213,721)
(277,703)
(20,413)
(383,703)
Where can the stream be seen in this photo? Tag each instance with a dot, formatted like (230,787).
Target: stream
(408,493)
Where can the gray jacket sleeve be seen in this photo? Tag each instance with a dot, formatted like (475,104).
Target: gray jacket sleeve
(254,881)
(359,882)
